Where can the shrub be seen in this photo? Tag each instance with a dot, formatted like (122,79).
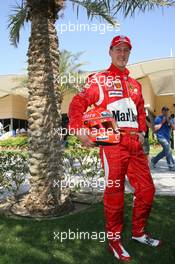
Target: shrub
(14,142)
(82,170)
(72,141)
(152,138)
(13,171)
(82,166)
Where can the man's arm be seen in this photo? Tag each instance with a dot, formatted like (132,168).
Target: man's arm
(159,122)
(172,123)
(141,117)
(79,104)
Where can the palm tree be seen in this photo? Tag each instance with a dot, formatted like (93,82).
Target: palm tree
(44,101)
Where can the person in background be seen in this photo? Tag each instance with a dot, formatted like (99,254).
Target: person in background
(17,131)
(172,134)
(22,130)
(162,127)
(146,145)
(1,129)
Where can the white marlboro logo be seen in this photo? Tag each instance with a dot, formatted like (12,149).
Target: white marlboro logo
(124,116)
(125,112)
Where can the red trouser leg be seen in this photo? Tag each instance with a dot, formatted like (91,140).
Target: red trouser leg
(119,160)
(115,162)
(140,179)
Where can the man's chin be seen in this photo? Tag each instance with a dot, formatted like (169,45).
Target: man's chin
(122,65)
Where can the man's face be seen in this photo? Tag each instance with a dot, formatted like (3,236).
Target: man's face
(165,112)
(120,55)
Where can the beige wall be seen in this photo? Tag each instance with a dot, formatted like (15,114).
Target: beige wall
(148,93)
(13,106)
(168,100)
(155,102)
(5,107)
(66,101)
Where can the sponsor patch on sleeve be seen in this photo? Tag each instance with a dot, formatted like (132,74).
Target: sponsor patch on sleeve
(115,93)
(118,85)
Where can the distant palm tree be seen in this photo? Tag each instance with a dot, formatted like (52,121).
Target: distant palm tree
(44,102)
(71,78)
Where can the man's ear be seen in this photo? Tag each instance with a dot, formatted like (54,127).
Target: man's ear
(110,52)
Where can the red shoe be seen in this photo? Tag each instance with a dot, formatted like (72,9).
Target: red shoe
(147,240)
(118,251)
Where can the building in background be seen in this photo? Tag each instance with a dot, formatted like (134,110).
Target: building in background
(156,76)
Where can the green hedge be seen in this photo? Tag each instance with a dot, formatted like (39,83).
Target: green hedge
(82,164)
(14,142)
(78,162)
(13,170)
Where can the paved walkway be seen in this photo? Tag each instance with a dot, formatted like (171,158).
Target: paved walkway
(163,178)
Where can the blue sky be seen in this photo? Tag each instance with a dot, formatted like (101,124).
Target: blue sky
(152,36)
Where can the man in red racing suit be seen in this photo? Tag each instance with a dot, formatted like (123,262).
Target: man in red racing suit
(116,91)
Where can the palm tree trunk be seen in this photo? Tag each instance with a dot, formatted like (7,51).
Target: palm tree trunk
(44,116)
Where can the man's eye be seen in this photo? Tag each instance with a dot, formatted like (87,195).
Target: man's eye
(124,50)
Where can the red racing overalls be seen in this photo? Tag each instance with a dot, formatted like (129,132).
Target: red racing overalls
(122,95)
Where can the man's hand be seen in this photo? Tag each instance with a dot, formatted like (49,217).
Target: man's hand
(141,137)
(85,140)
(157,127)
(164,120)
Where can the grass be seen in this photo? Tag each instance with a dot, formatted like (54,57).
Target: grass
(26,241)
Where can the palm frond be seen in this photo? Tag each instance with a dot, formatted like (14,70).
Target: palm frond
(129,7)
(98,9)
(16,22)
(70,67)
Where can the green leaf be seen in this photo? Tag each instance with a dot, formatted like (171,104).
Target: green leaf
(97,9)
(129,7)
(16,22)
